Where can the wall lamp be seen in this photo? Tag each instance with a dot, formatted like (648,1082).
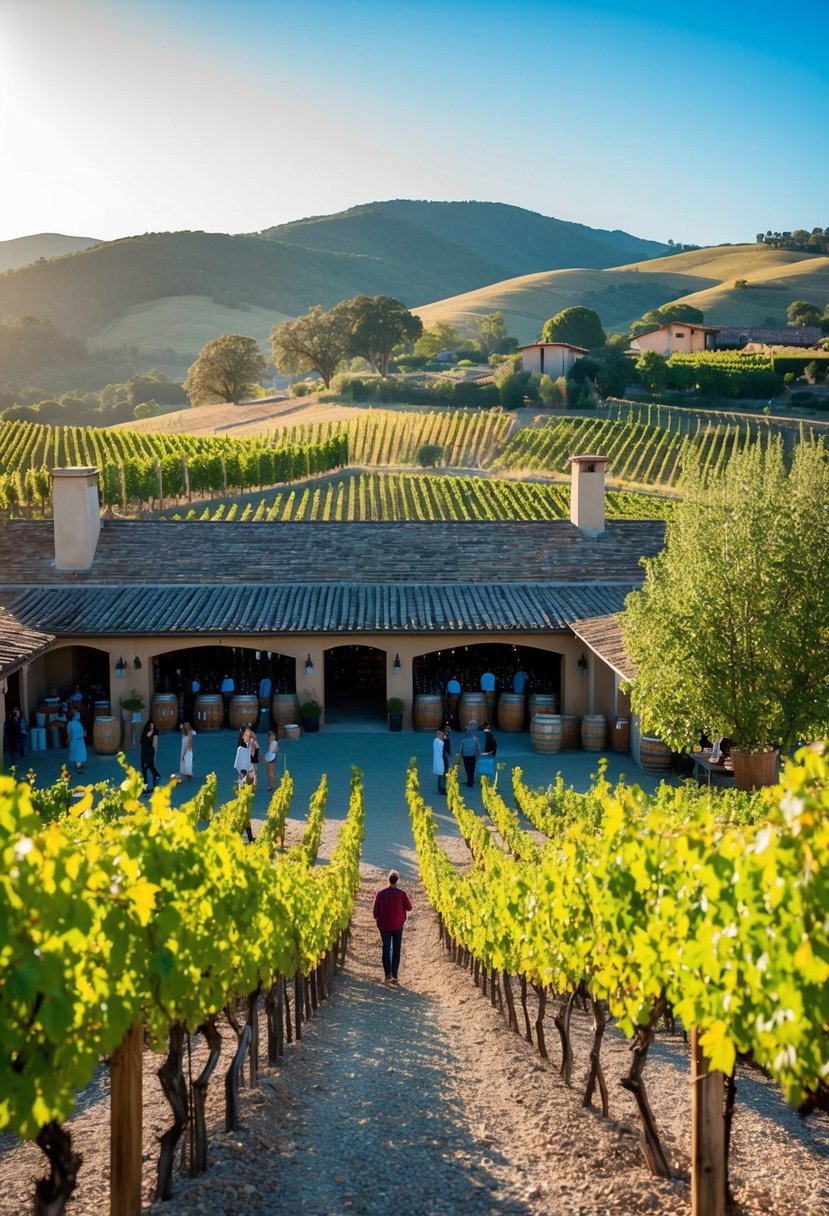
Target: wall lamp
(120,668)
(136,663)
(396,663)
(583,664)
(309,666)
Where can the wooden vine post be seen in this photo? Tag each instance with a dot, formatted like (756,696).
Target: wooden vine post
(126,1109)
(708,1170)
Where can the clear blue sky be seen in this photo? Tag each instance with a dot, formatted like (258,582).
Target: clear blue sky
(697,122)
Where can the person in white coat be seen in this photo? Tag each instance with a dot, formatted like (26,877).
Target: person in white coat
(439,761)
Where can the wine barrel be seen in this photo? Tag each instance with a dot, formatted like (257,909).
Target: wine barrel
(106,736)
(542,703)
(654,755)
(620,741)
(165,711)
(511,711)
(428,711)
(210,711)
(243,711)
(491,699)
(472,709)
(570,732)
(593,732)
(284,709)
(101,709)
(545,733)
(292,730)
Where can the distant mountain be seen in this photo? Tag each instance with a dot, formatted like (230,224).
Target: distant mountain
(24,250)
(415,251)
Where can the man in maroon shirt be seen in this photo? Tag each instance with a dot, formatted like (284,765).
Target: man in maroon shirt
(390,907)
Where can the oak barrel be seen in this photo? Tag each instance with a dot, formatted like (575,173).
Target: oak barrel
(284,709)
(101,709)
(511,711)
(620,741)
(593,732)
(210,711)
(542,703)
(243,711)
(545,733)
(570,732)
(106,736)
(491,699)
(654,755)
(427,713)
(165,711)
(473,709)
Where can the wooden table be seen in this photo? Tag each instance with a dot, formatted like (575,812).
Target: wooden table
(704,766)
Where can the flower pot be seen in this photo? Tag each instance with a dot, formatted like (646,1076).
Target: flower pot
(395,721)
(753,770)
(311,725)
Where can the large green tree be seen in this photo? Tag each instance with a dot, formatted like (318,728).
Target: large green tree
(491,332)
(729,634)
(441,336)
(801,312)
(315,342)
(376,324)
(228,369)
(656,317)
(579,326)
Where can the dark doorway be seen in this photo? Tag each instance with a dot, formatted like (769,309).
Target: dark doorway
(355,683)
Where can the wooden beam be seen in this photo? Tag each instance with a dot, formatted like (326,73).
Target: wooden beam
(126,1112)
(708,1171)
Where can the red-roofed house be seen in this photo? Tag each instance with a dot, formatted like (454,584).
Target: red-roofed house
(676,338)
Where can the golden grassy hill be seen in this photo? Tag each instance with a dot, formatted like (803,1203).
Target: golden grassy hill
(621,294)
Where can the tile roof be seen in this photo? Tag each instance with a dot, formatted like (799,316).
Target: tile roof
(18,643)
(332,608)
(603,634)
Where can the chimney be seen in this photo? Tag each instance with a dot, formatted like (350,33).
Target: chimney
(587,494)
(77,516)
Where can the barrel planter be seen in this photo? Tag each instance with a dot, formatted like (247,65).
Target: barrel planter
(541,703)
(593,732)
(101,709)
(655,756)
(284,709)
(106,736)
(753,770)
(472,709)
(209,711)
(545,733)
(292,730)
(165,711)
(570,732)
(243,711)
(427,713)
(511,711)
(620,735)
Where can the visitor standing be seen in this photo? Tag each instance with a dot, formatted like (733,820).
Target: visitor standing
(490,747)
(186,765)
(227,689)
(391,904)
(253,749)
(439,761)
(470,749)
(75,739)
(149,750)
(519,681)
(270,759)
(242,761)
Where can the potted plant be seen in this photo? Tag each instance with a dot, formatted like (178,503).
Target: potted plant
(310,712)
(131,703)
(394,710)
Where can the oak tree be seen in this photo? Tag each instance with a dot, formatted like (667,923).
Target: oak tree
(228,369)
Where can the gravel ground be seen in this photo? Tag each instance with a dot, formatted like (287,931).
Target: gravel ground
(420,1098)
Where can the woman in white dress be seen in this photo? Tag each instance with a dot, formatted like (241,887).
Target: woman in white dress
(186,766)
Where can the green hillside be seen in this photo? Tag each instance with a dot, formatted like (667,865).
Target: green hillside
(185,323)
(704,277)
(24,250)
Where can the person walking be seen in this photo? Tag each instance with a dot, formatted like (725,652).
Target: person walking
(470,749)
(75,740)
(242,761)
(391,904)
(186,765)
(149,750)
(253,748)
(439,761)
(270,760)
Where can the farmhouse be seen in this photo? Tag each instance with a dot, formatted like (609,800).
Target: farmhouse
(347,613)
(551,359)
(676,338)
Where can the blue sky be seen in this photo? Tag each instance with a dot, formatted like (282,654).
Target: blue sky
(698,123)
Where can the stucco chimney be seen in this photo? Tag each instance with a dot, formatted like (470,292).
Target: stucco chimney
(77,517)
(587,493)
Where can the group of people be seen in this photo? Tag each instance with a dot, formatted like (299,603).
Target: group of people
(469,751)
(148,743)
(246,763)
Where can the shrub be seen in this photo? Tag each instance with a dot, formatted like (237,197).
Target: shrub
(428,455)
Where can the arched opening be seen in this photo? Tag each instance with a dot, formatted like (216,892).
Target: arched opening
(70,678)
(180,676)
(459,670)
(355,683)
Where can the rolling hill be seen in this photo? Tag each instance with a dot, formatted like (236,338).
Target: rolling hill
(704,278)
(24,250)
